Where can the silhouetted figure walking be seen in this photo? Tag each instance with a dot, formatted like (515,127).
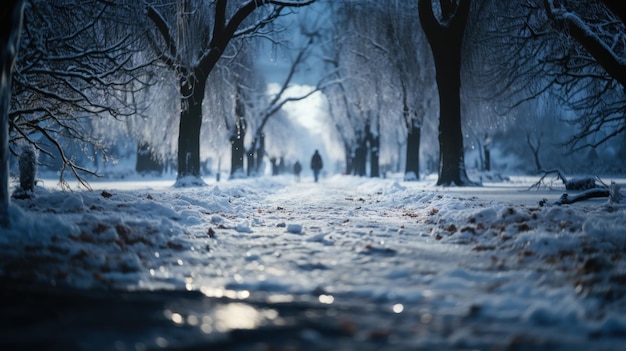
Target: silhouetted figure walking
(316,165)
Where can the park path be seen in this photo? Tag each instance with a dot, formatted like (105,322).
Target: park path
(311,266)
(378,273)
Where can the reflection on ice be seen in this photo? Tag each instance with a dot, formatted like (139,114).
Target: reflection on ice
(242,316)
(326,299)
(219,293)
(237,316)
(223,318)
(280,298)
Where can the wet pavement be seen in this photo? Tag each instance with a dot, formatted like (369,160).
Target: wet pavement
(38,318)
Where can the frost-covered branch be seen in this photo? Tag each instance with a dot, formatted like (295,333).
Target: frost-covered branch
(76,63)
(604,54)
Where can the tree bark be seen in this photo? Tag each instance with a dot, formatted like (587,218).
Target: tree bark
(445,39)
(11,12)
(192,91)
(413,151)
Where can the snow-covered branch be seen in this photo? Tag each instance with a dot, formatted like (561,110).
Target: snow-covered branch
(613,63)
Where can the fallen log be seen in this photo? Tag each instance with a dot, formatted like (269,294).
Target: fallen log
(565,199)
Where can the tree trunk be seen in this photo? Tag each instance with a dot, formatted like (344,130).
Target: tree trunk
(412,168)
(250,160)
(373,141)
(192,91)
(251,164)
(147,162)
(260,154)
(535,150)
(237,149)
(487,152)
(487,159)
(360,157)
(9,39)
(349,158)
(374,156)
(445,39)
(236,139)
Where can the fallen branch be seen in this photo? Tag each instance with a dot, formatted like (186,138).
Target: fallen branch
(611,192)
(584,183)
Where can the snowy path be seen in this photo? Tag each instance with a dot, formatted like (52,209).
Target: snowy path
(367,264)
(345,246)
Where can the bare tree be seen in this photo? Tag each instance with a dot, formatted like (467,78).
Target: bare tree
(571,51)
(407,55)
(270,108)
(601,32)
(191,38)
(445,35)
(11,12)
(69,72)
(374,62)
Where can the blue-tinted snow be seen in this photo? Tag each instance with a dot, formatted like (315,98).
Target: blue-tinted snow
(488,250)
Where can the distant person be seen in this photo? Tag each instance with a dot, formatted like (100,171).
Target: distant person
(316,165)
(297,168)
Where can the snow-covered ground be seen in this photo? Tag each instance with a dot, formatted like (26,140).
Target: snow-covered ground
(484,266)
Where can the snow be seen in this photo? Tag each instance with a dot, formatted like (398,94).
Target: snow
(407,247)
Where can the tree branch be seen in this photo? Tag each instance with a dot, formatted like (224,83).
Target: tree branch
(164,29)
(604,55)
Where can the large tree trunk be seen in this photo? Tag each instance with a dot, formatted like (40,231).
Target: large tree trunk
(445,40)
(412,168)
(11,12)
(192,91)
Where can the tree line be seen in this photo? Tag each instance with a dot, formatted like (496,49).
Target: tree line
(72,70)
